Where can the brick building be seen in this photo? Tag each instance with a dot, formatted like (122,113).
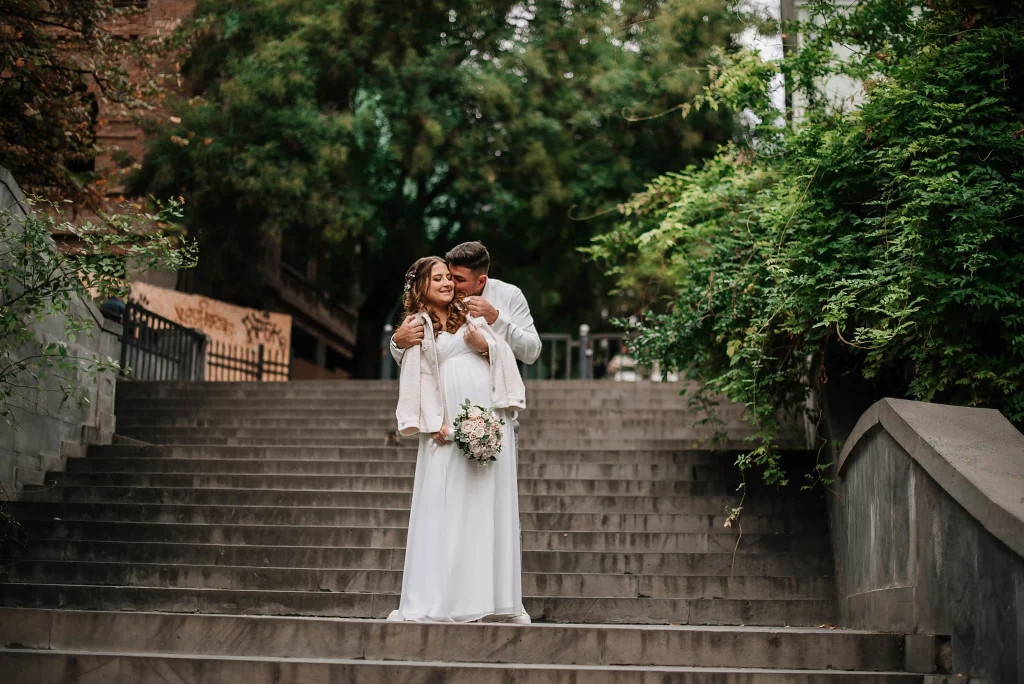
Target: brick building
(323,333)
(116,132)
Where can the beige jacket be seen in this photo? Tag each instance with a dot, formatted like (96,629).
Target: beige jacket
(421,404)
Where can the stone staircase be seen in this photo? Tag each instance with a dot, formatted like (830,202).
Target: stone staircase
(259,538)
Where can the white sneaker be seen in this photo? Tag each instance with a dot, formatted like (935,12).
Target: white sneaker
(522,619)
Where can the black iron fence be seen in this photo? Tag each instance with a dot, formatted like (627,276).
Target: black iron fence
(228,363)
(156,348)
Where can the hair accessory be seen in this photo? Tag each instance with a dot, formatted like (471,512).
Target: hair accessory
(409,277)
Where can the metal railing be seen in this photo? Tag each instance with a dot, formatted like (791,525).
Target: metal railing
(228,363)
(156,348)
(590,356)
(557,360)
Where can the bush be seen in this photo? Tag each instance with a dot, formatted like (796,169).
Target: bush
(41,280)
(893,229)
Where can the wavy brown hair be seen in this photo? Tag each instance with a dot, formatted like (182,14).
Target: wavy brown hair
(417,280)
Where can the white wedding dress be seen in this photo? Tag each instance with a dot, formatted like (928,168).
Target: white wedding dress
(462,558)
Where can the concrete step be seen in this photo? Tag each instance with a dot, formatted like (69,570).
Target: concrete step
(230,416)
(394,537)
(528,436)
(408,453)
(179,439)
(385,483)
(612,402)
(356,409)
(557,503)
(255,427)
(269,435)
(376,581)
(579,406)
(568,403)
(584,471)
(594,645)
(397,517)
(64,667)
(602,562)
(375,605)
(361,387)
(345,421)
(736,441)
(294,391)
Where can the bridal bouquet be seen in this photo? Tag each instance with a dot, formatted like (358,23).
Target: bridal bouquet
(477,432)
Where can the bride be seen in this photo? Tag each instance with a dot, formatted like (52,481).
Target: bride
(462,559)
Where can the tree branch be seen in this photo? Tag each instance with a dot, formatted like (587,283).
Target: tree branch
(38,20)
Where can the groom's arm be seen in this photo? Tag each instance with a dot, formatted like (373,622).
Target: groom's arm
(396,353)
(408,334)
(517,327)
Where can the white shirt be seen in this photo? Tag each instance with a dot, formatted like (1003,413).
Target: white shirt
(514,321)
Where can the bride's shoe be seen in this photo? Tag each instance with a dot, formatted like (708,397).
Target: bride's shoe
(522,619)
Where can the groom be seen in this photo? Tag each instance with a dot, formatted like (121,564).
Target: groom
(502,305)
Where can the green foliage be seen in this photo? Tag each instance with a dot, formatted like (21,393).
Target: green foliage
(892,229)
(40,281)
(59,60)
(370,134)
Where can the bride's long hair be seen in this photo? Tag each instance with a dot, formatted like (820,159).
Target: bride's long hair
(417,280)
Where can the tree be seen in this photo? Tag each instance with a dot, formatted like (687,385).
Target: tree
(884,240)
(40,280)
(59,60)
(372,134)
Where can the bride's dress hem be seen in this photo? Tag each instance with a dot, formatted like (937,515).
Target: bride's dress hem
(396,616)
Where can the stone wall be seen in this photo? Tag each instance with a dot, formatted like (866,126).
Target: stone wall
(928,532)
(48,430)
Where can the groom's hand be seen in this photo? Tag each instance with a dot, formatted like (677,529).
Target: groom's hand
(410,333)
(480,307)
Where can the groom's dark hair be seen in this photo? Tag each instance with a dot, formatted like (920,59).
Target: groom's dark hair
(471,255)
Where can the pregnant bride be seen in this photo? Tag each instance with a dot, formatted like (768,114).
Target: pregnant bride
(462,559)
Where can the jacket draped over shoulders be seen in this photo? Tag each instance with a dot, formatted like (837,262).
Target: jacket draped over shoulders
(421,405)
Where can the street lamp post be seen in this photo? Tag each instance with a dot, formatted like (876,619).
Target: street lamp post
(586,353)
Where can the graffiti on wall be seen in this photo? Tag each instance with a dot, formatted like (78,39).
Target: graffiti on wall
(259,329)
(201,317)
(235,325)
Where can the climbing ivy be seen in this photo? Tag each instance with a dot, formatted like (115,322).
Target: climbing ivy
(891,225)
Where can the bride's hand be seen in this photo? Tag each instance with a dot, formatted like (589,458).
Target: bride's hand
(441,436)
(475,338)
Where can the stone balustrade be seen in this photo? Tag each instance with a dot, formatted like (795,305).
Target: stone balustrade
(927,526)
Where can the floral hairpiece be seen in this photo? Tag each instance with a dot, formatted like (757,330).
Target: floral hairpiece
(409,277)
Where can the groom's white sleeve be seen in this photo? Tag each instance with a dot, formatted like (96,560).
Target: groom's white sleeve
(396,353)
(516,325)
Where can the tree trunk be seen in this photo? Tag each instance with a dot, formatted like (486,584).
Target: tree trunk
(373,314)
